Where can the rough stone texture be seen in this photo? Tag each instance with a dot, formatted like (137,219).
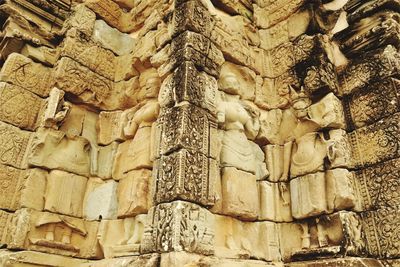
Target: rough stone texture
(199,133)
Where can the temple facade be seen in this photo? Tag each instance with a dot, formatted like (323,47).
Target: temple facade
(200,133)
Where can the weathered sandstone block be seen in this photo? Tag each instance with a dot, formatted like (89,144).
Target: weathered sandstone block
(245,240)
(65,193)
(377,101)
(336,234)
(20,107)
(191,85)
(33,258)
(54,150)
(274,202)
(134,154)
(86,85)
(90,55)
(22,188)
(111,38)
(185,175)
(134,193)
(14,146)
(239,194)
(122,237)
(375,143)
(52,233)
(179,226)
(22,71)
(320,193)
(100,201)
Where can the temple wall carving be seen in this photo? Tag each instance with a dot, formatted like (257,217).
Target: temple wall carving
(199,133)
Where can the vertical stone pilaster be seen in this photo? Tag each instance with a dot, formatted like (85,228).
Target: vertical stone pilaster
(186,155)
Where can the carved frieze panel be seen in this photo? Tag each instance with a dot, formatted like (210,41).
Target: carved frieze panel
(82,19)
(108,10)
(234,46)
(270,12)
(302,51)
(22,71)
(319,76)
(358,9)
(369,68)
(53,233)
(191,85)
(90,55)
(381,230)
(375,143)
(80,81)
(377,101)
(185,175)
(43,18)
(286,30)
(179,226)
(187,127)
(369,33)
(192,16)
(14,145)
(20,107)
(190,46)
(378,186)
(22,188)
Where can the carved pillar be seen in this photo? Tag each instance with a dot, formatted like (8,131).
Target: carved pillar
(185,159)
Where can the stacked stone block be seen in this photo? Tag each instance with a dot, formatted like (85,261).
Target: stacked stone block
(199,133)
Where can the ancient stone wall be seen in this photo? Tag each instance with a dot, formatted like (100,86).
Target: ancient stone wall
(220,133)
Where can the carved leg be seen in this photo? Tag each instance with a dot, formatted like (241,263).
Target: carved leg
(305,238)
(50,232)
